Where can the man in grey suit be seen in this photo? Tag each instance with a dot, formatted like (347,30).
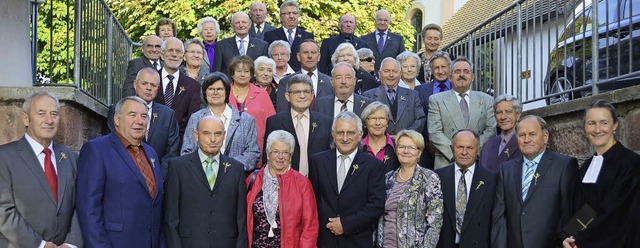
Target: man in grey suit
(391,44)
(37,182)
(406,112)
(240,44)
(533,193)
(258,13)
(460,108)
(343,80)
(151,58)
(205,204)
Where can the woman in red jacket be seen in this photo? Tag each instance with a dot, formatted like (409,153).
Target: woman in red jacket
(281,206)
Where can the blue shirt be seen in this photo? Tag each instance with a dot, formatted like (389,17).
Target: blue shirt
(436,86)
(535,161)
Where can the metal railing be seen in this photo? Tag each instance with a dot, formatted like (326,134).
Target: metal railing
(96,57)
(542,50)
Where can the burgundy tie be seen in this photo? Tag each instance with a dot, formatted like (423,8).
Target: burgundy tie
(168,92)
(313,100)
(50,172)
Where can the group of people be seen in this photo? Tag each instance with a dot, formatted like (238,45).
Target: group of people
(237,143)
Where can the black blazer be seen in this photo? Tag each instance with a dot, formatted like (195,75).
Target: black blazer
(267,27)
(410,114)
(229,49)
(360,203)
(325,104)
(476,225)
(299,37)
(197,216)
(365,81)
(133,67)
(163,132)
(329,46)
(319,136)
(324,89)
(393,46)
(186,100)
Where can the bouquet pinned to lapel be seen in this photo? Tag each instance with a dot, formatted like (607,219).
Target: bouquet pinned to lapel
(154,116)
(181,90)
(314,125)
(62,157)
(226,166)
(362,102)
(479,184)
(355,168)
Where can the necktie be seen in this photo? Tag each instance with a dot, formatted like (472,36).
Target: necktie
(503,143)
(391,93)
(258,29)
(313,100)
(208,169)
(302,139)
(145,169)
(528,175)
(443,87)
(155,65)
(381,41)
(168,92)
(50,172)
(290,31)
(464,106)
(342,171)
(461,202)
(344,105)
(241,47)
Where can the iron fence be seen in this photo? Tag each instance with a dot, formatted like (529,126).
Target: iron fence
(542,50)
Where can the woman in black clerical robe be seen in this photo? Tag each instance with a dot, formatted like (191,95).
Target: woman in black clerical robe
(608,182)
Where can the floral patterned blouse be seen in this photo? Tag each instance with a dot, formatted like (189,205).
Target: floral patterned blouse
(419,213)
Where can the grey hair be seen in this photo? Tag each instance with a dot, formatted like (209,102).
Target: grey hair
(541,122)
(264,60)
(387,59)
(149,70)
(299,78)
(205,20)
(364,52)
(193,41)
(27,101)
(279,43)
(440,54)
(164,44)
(256,3)
(120,103)
(475,135)
(347,116)
(233,17)
(517,105)
(343,46)
(372,107)
(289,3)
(462,59)
(353,71)
(282,136)
(408,54)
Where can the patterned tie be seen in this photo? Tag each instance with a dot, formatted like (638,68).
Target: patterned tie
(168,92)
(381,41)
(443,87)
(241,47)
(528,175)
(461,202)
(344,105)
(342,171)
(464,106)
(391,93)
(208,169)
(258,29)
(145,169)
(50,172)
(290,31)
(155,65)
(302,139)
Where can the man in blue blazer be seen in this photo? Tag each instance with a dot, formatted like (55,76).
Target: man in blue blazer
(343,80)
(314,126)
(205,204)
(120,184)
(391,45)
(230,47)
(347,26)
(349,188)
(406,112)
(290,32)
(468,201)
(502,147)
(162,127)
(150,58)
(258,13)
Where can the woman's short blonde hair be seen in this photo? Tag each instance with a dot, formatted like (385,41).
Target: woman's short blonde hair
(414,136)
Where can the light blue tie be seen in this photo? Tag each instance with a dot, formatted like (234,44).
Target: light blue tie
(290,31)
(527,179)
(241,48)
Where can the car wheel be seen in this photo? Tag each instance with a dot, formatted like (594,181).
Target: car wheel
(563,85)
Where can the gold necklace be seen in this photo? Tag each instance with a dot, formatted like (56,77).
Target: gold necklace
(402,178)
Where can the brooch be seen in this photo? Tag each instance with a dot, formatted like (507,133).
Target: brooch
(181,90)
(155,115)
(355,168)
(479,184)
(536,177)
(362,102)
(62,157)
(226,166)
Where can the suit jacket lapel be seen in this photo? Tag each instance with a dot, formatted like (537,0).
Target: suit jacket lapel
(64,172)
(321,83)
(313,125)
(124,154)
(31,161)
(180,87)
(353,173)
(477,193)
(196,167)
(154,115)
(475,103)
(541,171)
(235,123)
(402,101)
(517,178)
(223,167)
(453,107)
(448,193)
(330,170)
(358,103)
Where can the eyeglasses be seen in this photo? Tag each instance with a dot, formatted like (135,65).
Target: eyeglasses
(300,92)
(369,59)
(377,119)
(350,134)
(152,46)
(410,148)
(280,153)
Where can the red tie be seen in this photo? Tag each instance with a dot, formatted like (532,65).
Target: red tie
(313,100)
(50,172)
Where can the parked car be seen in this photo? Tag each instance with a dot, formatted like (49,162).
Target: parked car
(570,63)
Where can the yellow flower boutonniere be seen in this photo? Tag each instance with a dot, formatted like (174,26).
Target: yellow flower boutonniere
(362,102)
(181,90)
(355,168)
(314,125)
(386,157)
(536,177)
(226,166)
(506,151)
(62,157)
(479,184)
(153,161)
(154,116)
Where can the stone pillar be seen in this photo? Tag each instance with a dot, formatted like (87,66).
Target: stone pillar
(15,65)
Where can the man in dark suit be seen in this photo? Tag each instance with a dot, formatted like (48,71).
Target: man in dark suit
(533,193)
(205,204)
(349,187)
(150,58)
(314,133)
(290,32)
(502,147)
(406,111)
(37,182)
(120,184)
(240,44)
(258,13)
(162,127)
(309,56)
(347,26)
(343,80)
(391,44)
(468,192)
(177,91)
